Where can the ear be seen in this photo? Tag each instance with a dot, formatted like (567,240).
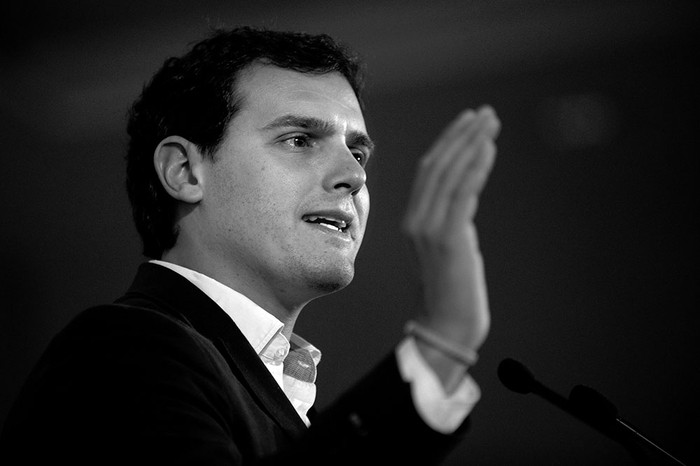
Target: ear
(178,164)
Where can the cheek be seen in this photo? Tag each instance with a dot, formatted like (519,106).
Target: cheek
(229,200)
(362,203)
(263,197)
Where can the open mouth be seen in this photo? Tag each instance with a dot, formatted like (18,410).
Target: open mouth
(332,223)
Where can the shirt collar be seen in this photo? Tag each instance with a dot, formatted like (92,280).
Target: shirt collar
(259,327)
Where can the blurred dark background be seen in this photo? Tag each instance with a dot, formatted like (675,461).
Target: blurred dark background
(586,225)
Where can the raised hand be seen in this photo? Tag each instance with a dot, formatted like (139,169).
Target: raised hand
(440,223)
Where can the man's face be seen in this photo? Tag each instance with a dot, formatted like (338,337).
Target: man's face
(285,203)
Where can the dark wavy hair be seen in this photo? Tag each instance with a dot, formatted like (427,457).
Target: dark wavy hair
(194,96)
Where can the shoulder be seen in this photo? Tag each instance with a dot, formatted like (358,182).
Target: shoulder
(120,322)
(124,320)
(131,338)
(113,378)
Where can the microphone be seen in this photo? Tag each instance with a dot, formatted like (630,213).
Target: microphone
(518,378)
(585,404)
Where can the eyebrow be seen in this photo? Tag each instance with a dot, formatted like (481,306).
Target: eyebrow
(318,125)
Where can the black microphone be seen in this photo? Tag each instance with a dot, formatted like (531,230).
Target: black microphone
(518,378)
(583,403)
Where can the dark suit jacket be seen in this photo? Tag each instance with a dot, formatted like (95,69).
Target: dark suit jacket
(163,376)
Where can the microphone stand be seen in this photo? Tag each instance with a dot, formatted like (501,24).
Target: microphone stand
(588,406)
(598,411)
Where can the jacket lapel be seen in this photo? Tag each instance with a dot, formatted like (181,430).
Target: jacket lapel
(159,288)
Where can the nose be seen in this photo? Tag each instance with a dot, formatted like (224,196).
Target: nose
(345,173)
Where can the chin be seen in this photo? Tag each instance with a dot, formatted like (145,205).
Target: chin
(330,281)
(330,287)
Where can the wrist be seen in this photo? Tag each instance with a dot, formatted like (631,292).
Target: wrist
(448,359)
(448,371)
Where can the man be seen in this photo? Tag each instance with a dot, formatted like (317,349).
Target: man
(246,173)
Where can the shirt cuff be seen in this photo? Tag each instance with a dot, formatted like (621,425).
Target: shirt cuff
(442,412)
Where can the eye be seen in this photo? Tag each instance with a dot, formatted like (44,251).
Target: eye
(298,141)
(361,156)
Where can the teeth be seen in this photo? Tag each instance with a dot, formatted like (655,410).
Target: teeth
(330,227)
(331,223)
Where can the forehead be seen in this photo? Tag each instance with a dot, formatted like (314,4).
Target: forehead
(267,91)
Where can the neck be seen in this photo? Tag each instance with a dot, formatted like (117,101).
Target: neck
(275,300)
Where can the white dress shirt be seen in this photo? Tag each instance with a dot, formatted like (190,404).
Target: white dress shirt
(263,331)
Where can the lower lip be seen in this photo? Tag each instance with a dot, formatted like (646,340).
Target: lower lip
(342,235)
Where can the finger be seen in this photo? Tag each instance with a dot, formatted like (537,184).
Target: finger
(433,165)
(456,196)
(429,199)
(469,174)
(454,129)
(465,150)
(465,178)
(466,195)
(463,127)
(425,168)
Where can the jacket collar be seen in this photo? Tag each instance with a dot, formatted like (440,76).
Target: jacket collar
(159,288)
